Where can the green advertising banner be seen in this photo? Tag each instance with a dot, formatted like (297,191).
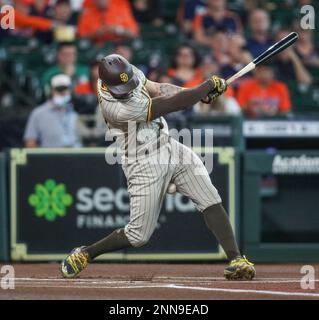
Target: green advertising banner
(61,199)
(281,205)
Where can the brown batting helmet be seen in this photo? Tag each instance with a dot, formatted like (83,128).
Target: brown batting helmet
(117,74)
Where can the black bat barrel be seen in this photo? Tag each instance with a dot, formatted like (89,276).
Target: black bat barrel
(276,48)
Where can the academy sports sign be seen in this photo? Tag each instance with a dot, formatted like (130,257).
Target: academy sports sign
(302,164)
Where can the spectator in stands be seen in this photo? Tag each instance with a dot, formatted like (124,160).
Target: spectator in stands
(40,8)
(215,17)
(306,49)
(219,46)
(26,23)
(238,57)
(77,5)
(187,11)
(67,64)
(209,66)
(124,50)
(67,20)
(224,105)
(90,87)
(289,66)
(63,13)
(147,11)
(185,70)
(90,126)
(53,124)
(263,95)
(259,24)
(108,20)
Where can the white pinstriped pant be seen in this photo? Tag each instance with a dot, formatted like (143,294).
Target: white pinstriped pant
(148,181)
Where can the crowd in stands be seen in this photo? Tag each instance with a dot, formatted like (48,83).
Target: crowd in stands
(216,39)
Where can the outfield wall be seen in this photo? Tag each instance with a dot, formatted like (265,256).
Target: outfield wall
(53,200)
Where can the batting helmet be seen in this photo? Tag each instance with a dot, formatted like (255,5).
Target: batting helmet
(117,74)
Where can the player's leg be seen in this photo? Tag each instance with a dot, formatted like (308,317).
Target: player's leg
(218,222)
(79,257)
(192,179)
(147,184)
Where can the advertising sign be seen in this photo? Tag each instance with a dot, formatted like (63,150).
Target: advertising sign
(61,199)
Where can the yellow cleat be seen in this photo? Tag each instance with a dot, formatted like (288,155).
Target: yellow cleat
(240,269)
(74,263)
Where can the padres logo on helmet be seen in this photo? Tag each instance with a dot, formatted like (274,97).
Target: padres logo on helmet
(124,77)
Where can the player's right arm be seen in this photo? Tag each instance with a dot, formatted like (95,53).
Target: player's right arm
(176,98)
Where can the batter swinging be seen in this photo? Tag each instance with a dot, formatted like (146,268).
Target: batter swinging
(133,108)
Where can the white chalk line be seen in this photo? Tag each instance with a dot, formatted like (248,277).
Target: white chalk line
(266,292)
(161,278)
(178,287)
(139,284)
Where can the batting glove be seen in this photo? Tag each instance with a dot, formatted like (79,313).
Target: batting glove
(220,86)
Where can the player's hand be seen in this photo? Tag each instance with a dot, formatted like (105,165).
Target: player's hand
(220,86)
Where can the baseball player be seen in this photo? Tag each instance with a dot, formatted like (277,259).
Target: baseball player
(133,108)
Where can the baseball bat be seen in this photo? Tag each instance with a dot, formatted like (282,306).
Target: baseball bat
(266,55)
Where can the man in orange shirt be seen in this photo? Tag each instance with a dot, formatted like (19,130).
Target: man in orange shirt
(108,20)
(264,96)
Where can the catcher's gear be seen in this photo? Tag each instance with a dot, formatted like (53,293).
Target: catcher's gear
(117,74)
(220,86)
(74,263)
(240,269)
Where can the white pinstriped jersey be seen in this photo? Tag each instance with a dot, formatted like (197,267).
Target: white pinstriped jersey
(148,179)
(130,117)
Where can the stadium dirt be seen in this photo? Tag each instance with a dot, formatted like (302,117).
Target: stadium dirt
(157,281)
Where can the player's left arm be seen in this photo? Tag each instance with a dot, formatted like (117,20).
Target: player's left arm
(182,99)
(156,89)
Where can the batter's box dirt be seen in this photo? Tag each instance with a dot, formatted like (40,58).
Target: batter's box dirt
(157,281)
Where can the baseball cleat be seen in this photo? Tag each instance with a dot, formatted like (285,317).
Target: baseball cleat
(240,269)
(74,263)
